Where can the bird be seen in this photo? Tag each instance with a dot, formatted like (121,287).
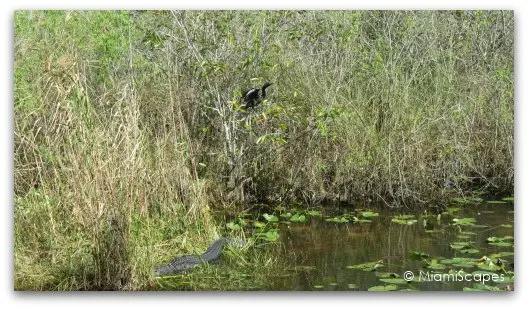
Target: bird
(254,96)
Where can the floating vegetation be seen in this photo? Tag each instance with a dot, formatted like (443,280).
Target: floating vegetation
(435,231)
(435,264)
(368,214)
(352,286)
(372,266)
(480,287)
(506,241)
(337,220)
(233,226)
(271,235)
(394,280)
(501,255)
(466,262)
(318,286)
(386,275)
(298,218)
(313,213)
(418,256)
(270,218)
(451,210)
(506,225)
(358,220)
(383,288)
(467,200)
(404,219)
(508,199)
(497,202)
(259,224)
(285,215)
(464,221)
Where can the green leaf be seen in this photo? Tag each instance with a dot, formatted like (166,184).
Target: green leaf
(464,221)
(394,280)
(270,218)
(418,256)
(381,288)
(314,213)
(368,214)
(367,266)
(233,226)
(298,218)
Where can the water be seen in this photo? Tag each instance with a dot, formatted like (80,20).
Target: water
(320,251)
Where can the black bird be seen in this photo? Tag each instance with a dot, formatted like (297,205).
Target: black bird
(254,96)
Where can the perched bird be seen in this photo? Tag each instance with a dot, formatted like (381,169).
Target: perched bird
(254,96)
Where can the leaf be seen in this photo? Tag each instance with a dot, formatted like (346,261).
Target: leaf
(368,214)
(233,226)
(357,220)
(381,288)
(464,221)
(298,218)
(313,213)
(259,224)
(394,280)
(337,220)
(418,256)
(270,218)
(367,266)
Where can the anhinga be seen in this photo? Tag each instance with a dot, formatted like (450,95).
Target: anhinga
(254,96)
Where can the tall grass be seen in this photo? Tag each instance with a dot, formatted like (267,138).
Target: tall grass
(127,130)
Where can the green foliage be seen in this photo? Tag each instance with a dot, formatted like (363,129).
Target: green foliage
(125,121)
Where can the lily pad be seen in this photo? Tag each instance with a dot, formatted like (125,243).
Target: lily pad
(372,266)
(460,245)
(501,254)
(233,226)
(259,224)
(434,264)
(460,260)
(404,219)
(464,221)
(270,218)
(368,214)
(467,200)
(286,215)
(394,280)
(383,288)
(314,213)
(479,287)
(298,218)
(418,256)
(358,220)
(387,275)
(469,251)
(337,220)
(497,202)
(270,236)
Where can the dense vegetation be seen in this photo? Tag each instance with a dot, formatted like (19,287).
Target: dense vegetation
(128,129)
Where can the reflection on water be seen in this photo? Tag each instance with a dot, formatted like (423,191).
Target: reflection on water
(321,250)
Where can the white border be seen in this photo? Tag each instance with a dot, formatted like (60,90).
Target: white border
(140,299)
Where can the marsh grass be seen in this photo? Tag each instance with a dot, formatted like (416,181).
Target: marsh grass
(127,133)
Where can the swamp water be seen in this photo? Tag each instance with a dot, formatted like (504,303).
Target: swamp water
(468,247)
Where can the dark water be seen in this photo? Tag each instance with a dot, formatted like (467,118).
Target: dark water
(319,251)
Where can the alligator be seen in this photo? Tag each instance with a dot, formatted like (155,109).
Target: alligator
(212,255)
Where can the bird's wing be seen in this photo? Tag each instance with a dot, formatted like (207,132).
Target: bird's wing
(249,92)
